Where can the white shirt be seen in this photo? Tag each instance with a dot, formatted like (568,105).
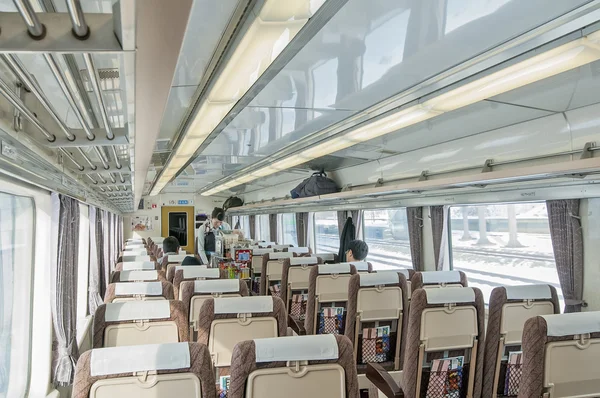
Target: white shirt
(205,229)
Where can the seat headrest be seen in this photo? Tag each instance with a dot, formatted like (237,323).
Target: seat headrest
(198,271)
(130,276)
(280,255)
(297,348)
(379,278)
(175,258)
(403,271)
(361,266)
(138,265)
(216,286)
(127,258)
(134,246)
(137,310)
(260,252)
(158,240)
(572,323)
(325,269)
(437,277)
(243,305)
(135,288)
(326,256)
(303,260)
(528,292)
(265,244)
(450,295)
(279,247)
(139,358)
(298,250)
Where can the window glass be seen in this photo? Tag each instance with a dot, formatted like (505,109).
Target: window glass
(263,227)
(288,226)
(16,262)
(503,245)
(327,235)
(386,233)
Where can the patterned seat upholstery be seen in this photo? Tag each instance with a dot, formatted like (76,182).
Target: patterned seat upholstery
(443,324)
(171,260)
(509,308)
(435,279)
(138,276)
(295,275)
(179,369)
(140,322)
(131,291)
(327,287)
(271,270)
(294,367)
(560,356)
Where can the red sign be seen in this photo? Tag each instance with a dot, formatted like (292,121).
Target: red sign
(154,205)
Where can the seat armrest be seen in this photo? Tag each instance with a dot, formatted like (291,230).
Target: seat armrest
(296,325)
(383,381)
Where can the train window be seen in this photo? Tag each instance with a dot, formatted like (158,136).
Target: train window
(16,266)
(503,244)
(263,228)
(245,226)
(327,234)
(386,233)
(288,228)
(83,265)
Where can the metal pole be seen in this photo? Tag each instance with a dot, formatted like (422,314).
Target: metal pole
(116,156)
(102,158)
(101,178)
(87,159)
(121,177)
(94,80)
(112,178)
(91,179)
(80,29)
(67,154)
(35,28)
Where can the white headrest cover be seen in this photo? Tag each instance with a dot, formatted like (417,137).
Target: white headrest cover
(437,277)
(299,250)
(528,292)
(450,295)
(135,251)
(130,276)
(134,246)
(217,286)
(361,266)
(176,258)
(198,271)
(296,348)
(139,358)
(260,252)
(334,269)
(279,247)
(326,256)
(137,310)
(573,323)
(134,288)
(127,258)
(379,278)
(136,240)
(243,305)
(280,255)
(138,265)
(265,244)
(303,260)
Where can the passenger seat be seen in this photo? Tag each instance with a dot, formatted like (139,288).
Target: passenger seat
(132,291)
(436,279)
(138,276)
(271,271)
(194,272)
(257,265)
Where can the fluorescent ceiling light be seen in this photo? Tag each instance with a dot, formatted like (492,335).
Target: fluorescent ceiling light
(274,26)
(550,63)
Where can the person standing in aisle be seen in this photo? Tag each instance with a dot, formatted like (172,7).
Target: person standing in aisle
(207,233)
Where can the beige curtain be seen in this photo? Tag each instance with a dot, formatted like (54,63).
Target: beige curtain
(302,229)
(437,228)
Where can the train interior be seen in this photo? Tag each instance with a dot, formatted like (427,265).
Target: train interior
(299,198)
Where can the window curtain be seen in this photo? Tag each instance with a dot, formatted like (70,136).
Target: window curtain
(567,242)
(273,228)
(414,216)
(348,235)
(94,299)
(252,222)
(101,247)
(357,219)
(302,229)
(437,230)
(341,220)
(64,285)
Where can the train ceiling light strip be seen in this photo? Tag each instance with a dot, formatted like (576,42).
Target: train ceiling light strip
(271,30)
(549,63)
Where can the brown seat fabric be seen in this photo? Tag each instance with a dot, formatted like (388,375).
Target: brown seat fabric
(263,273)
(178,278)
(200,365)
(417,280)
(243,363)
(167,292)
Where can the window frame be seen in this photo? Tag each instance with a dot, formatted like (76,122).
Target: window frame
(314,227)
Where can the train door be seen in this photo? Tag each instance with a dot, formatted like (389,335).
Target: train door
(178,221)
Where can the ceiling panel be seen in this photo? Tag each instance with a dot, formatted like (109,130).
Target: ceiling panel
(180,99)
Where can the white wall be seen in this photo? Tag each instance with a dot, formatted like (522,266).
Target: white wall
(590,222)
(202,204)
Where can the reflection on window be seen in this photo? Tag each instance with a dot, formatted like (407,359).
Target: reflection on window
(288,227)
(327,232)
(263,228)
(386,233)
(325,84)
(462,12)
(503,245)
(16,263)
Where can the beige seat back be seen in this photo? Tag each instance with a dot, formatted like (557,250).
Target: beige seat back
(378,303)
(272,269)
(294,367)
(140,322)
(299,251)
(193,272)
(560,356)
(328,287)
(257,266)
(135,291)
(509,308)
(157,370)
(279,248)
(362,267)
(438,279)
(295,276)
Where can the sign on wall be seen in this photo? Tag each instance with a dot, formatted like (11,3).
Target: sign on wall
(141,223)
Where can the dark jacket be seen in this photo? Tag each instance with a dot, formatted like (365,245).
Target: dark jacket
(348,235)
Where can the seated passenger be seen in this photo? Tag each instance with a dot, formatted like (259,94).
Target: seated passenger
(191,260)
(170,246)
(357,251)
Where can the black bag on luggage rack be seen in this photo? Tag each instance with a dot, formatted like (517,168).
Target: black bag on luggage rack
(232,201)
(317,184)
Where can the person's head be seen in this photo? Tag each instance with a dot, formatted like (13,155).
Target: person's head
(191,260)
(170,245)
(217,217)
(357,251)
